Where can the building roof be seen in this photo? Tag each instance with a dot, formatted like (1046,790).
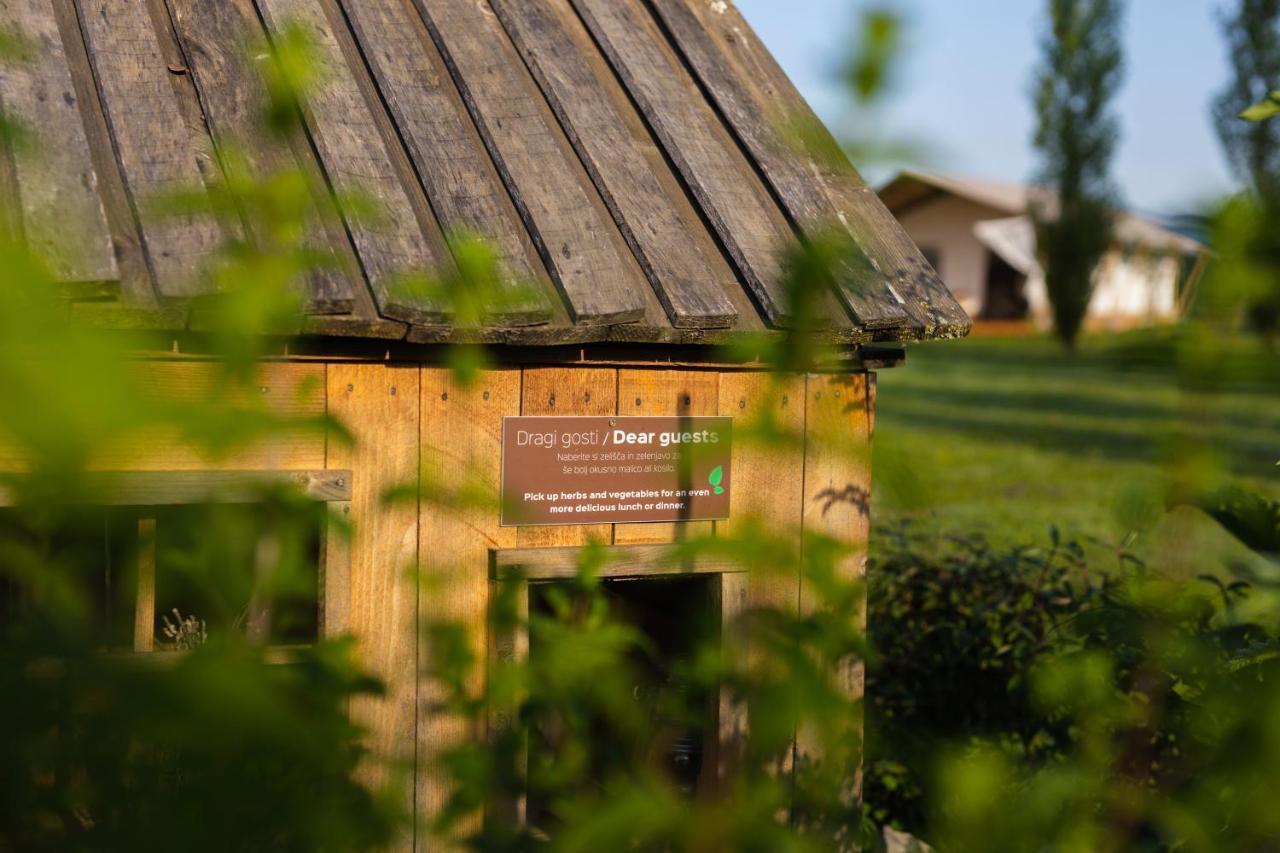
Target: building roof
(635,160)
(909,188)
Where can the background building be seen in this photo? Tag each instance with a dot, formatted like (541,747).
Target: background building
(980,239)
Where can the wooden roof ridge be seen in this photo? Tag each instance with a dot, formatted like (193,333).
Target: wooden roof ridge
(630,161)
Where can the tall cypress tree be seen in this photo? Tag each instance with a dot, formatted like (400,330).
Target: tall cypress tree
(1076,137)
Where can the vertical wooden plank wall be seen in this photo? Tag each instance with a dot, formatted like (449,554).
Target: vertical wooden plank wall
(379,404)
(461,458)
(418,425)
(837,490)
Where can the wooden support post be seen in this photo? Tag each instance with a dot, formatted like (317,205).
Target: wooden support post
(144,609)
(728,729)
(335,573)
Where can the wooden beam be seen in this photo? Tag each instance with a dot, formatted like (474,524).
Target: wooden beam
(726,736)
(177,488)
(619,561)
(335,573)
(379,406)
(144,608)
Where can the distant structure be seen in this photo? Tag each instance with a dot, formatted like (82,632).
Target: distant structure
(979,237)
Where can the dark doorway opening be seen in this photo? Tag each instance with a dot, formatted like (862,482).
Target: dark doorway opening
(1005,297)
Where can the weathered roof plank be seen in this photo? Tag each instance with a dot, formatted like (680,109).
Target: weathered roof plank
(685,267)
(156,153)
(748,222)
(456,171)
(402,237)
(634,159)
(215,38)
(61,211)
(806,168)
(577,238)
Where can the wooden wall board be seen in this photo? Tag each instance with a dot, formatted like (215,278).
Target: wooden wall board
(292,391)
(669,393)
(767,479)
(750,226)
(837,494)
(837,466)
(62,214)
(664,231)
(450,159)
(461,456)
(577,238)
(216,40)
(363,158)
(153,144)
(379,405)
(565,391)
(806,168)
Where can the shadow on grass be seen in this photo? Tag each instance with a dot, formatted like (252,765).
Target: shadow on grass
(980,419)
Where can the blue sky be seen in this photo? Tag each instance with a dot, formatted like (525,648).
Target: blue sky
(962,93)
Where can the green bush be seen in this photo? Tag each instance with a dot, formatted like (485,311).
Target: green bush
(1121,709)
(956,625)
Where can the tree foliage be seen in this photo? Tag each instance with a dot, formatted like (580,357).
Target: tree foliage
(1075,136)
(1242,114)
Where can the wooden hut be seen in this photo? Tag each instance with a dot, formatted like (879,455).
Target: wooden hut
(634,158)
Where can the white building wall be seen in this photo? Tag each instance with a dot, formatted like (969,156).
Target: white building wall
(945,225)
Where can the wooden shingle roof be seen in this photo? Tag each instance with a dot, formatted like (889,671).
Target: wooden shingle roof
(635,158)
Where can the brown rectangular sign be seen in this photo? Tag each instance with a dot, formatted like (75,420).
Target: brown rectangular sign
(569,470)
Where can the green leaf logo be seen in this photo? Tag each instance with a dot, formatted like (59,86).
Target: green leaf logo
(715,478)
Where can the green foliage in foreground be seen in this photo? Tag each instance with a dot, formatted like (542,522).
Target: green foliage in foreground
(1120,710)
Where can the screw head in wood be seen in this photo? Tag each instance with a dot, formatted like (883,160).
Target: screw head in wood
(486,395)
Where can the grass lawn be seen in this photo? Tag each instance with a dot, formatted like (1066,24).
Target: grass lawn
(1012,435)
